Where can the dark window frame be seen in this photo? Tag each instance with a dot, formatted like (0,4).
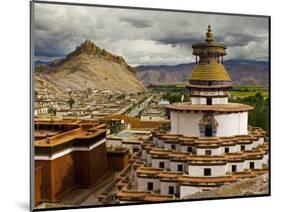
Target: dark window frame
(171,190)
(180,169)
(161,164)
(150,186)
(207,172)
(252,165)
(233,168)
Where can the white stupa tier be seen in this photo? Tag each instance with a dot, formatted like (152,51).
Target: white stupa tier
(209,143)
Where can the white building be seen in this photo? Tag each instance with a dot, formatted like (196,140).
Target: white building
(209,143)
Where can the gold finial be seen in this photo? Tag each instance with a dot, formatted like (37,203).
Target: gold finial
(209,35)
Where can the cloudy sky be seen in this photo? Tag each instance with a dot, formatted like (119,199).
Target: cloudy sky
(144,37)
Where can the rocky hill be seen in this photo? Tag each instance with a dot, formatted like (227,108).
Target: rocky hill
(247,187)
(247,72)
(88,66)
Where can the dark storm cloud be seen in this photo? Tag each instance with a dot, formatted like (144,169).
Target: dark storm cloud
(145,37)
(138,23)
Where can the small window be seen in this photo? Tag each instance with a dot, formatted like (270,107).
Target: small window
(208,152)
(180,167)
(173,146)
(226,150)
(242,147)
(207,172)
(161,164)
(252,165)
(149,186)
(233,168)
(209,101)
(189,149)
(171,189)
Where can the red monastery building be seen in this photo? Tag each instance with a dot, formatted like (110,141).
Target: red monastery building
(68,155)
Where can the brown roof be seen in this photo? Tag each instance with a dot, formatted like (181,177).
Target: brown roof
(223,179)
(158,197)
(142,196)
(68,136)
(208,86)
(243,174)
(230,107)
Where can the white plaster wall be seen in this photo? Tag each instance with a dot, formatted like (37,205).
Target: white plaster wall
(155,140)
(231,149)
(232,124)
(219,101)
(184,148)
(229,124)
(198,171)
(239,166)
(160,143)
(169,146)
(155,163)
(258,164)
(198,100)
(247,146)
(185,123)
(144,154)
(164,187)
(148,158)
(255,143)
(174,166)
(265,159)
(215,151)
(113,143)
(203,100)
(261,141)
(142,183)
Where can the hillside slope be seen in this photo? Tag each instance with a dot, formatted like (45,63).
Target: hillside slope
(90,67)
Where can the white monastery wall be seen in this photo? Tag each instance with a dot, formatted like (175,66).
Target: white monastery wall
(143,182)
(155,163)
(198,171)
(232,124)
(164,187)
(185,123)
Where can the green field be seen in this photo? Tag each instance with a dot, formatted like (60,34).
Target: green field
(246,91)
(237,91)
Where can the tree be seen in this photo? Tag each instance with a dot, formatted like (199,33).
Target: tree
(259,116)
(71,102)
(88,92)
(36,95)
(52,110)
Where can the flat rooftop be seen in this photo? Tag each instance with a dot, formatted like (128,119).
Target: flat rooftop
(230,107)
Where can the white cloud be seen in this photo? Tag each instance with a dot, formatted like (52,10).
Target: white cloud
(145,37)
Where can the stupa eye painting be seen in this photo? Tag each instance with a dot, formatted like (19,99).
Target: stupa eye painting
(126,126)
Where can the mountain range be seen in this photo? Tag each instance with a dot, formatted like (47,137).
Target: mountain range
(242,72)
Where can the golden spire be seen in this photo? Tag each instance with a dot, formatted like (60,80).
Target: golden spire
(209,35)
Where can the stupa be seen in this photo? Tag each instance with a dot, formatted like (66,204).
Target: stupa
(209,143)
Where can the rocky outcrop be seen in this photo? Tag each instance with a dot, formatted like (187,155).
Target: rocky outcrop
(247,187)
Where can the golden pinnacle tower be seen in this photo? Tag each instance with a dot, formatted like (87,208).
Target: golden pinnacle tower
(209,74)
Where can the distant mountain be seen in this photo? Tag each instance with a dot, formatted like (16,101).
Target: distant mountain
(40,62)
(88,66)
(242,72)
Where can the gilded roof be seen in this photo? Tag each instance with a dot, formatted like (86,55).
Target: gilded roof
(209,72)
